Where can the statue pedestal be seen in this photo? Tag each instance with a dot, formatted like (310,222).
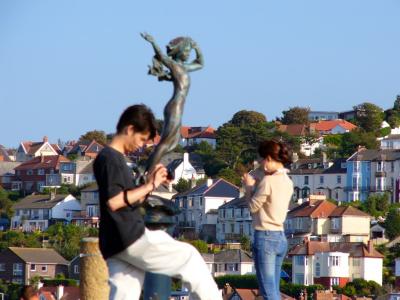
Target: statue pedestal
(160,214)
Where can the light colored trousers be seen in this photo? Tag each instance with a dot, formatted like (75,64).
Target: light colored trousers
(157,252)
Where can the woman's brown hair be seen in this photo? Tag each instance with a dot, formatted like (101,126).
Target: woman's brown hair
(276,150)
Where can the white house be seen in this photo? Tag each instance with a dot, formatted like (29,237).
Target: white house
(79,172)
(183,168)
(199,207)
(37,212)
(229,262)
(319,177)
(332,264)
(195,135)
(28,150)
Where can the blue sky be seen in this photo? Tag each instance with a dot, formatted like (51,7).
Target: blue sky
(69,66)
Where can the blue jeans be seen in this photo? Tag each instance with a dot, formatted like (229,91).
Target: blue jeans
(269,250)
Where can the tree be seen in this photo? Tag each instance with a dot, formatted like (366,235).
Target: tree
(230,175)
(245,243)
(247,117)
(351,140)
(392,223)
(296,115)
(369,116)
(182,185)
(97,135)
(200,245)
(6,210)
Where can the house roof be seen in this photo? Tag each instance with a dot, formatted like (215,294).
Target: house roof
(235,203)
(31,148)
(294,129)
(188,132)
(327,125)
(219,188)
(233,255)
(91,188)
(39,255)
(252,294)
(4,153)
(84,166)
(341,211)
(337,167)
(174,160)
(42,162)
(313,209)
(7,167)
(375,155)
(354,249)
(38,201)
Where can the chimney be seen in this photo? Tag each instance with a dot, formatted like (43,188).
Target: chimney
(60,292)
(370,246)
(45,139)
(209,182)
(185,158)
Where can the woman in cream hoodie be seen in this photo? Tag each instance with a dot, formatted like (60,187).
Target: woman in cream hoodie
(268,203)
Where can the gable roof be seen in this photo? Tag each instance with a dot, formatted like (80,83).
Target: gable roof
(7,167)
(313,209)
(341,211)
(375,155)
(42,162)
(327,125)
(85,146)
(294,129)
(4,153)
(219,188)
(354,249)
(38,201)
(39,255)
(31,148)
(236,203)
(188,132)
(233,255)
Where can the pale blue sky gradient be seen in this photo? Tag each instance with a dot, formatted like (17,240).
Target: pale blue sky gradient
(69,66)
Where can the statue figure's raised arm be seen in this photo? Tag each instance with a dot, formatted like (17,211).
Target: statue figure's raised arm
(198,62)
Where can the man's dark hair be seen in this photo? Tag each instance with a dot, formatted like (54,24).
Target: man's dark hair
(140,117)
(28,292)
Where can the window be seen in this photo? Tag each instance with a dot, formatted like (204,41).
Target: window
(379,166)
(299,278)
(339,179)
(2,267)
(356,262)
(29,172)
(33,267)
(201,201)
(392,166)
(223,228)
(336,195)
(44,268)
(76,269)
(17,269)
(334,281)
(299,260)
(334,261)
(232,228)
(317,269)
(305,179)
(41,172)
(335,223)
(321,179)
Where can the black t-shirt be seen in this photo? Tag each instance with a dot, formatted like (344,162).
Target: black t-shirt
(118,229)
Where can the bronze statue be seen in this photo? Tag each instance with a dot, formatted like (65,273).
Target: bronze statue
(177,69)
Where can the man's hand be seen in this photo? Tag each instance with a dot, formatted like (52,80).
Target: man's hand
(158,176)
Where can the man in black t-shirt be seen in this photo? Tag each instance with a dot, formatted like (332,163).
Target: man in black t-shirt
(127,246)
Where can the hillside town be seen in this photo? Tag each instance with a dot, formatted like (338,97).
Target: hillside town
(343,223)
